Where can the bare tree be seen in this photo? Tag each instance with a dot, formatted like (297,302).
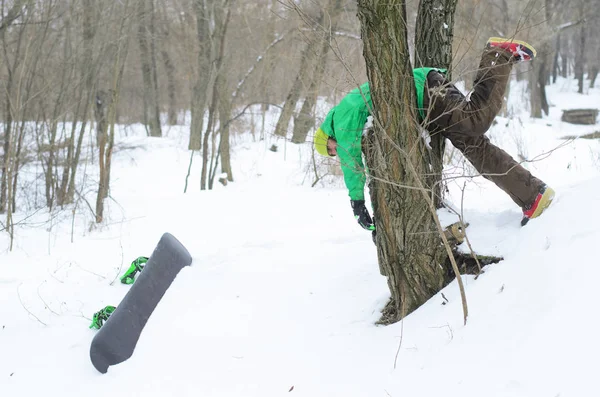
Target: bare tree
(221,19)
(200,89)
(581,47)
(108,107)
(170,68)
(305,119)
(308,60)
(147,43)
(13,13)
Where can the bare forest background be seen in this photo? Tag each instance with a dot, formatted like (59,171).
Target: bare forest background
(71,70)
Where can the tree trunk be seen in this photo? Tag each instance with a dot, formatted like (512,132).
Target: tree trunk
(17,164)
(305,120)
(199,94)
(224,147)
(580,51)
(535,100)
(593,75)
(6,147)
(555,65)
(146,40)
(88,73)
(13,13)
(308,61)
(108,117)
(408,247)
(542,81)
(171,86)
(51,176)
(101,112)
(434,35)
(564,58)
(8,164)
(221,23)
(537,81)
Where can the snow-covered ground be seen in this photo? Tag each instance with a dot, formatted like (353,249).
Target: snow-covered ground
(284,288)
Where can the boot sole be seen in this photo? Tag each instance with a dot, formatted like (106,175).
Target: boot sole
(527,47)
(544,203)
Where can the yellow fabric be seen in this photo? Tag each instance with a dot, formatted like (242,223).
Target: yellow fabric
(544,202)
(320,142)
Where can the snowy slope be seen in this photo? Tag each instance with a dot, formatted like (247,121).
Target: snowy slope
(284,290)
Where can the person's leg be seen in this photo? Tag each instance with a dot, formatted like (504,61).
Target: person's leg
(448,108)
(498,166)
(465,122)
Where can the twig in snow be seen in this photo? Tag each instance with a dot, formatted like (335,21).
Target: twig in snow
(446,326)
(26,309)
(91,272)
(121,265)
(401,333)
(43,301)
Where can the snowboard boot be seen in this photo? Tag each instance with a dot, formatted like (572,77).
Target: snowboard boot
(521,50)
(101,316)
(542,201)
(136,267)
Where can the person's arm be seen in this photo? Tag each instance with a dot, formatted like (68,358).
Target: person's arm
(349,135)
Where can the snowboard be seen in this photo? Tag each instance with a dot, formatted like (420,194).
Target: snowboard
(116,340)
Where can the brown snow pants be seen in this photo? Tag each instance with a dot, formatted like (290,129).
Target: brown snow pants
(464,122)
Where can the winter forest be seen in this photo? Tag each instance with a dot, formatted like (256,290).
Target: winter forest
(121,120)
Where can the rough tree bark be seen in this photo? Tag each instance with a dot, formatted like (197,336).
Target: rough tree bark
(408,247)
(434,35)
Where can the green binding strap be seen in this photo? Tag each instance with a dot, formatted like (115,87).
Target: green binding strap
(135,267)
(101,316)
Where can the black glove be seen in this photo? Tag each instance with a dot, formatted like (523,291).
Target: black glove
(362,215)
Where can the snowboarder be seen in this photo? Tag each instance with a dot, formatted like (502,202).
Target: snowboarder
(442,108)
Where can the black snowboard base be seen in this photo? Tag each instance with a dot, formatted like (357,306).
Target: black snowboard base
(116,340)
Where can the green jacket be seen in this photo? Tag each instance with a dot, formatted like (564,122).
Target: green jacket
(345,123)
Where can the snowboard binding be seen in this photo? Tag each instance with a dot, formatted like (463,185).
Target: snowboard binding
(101,316)
(135,267)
